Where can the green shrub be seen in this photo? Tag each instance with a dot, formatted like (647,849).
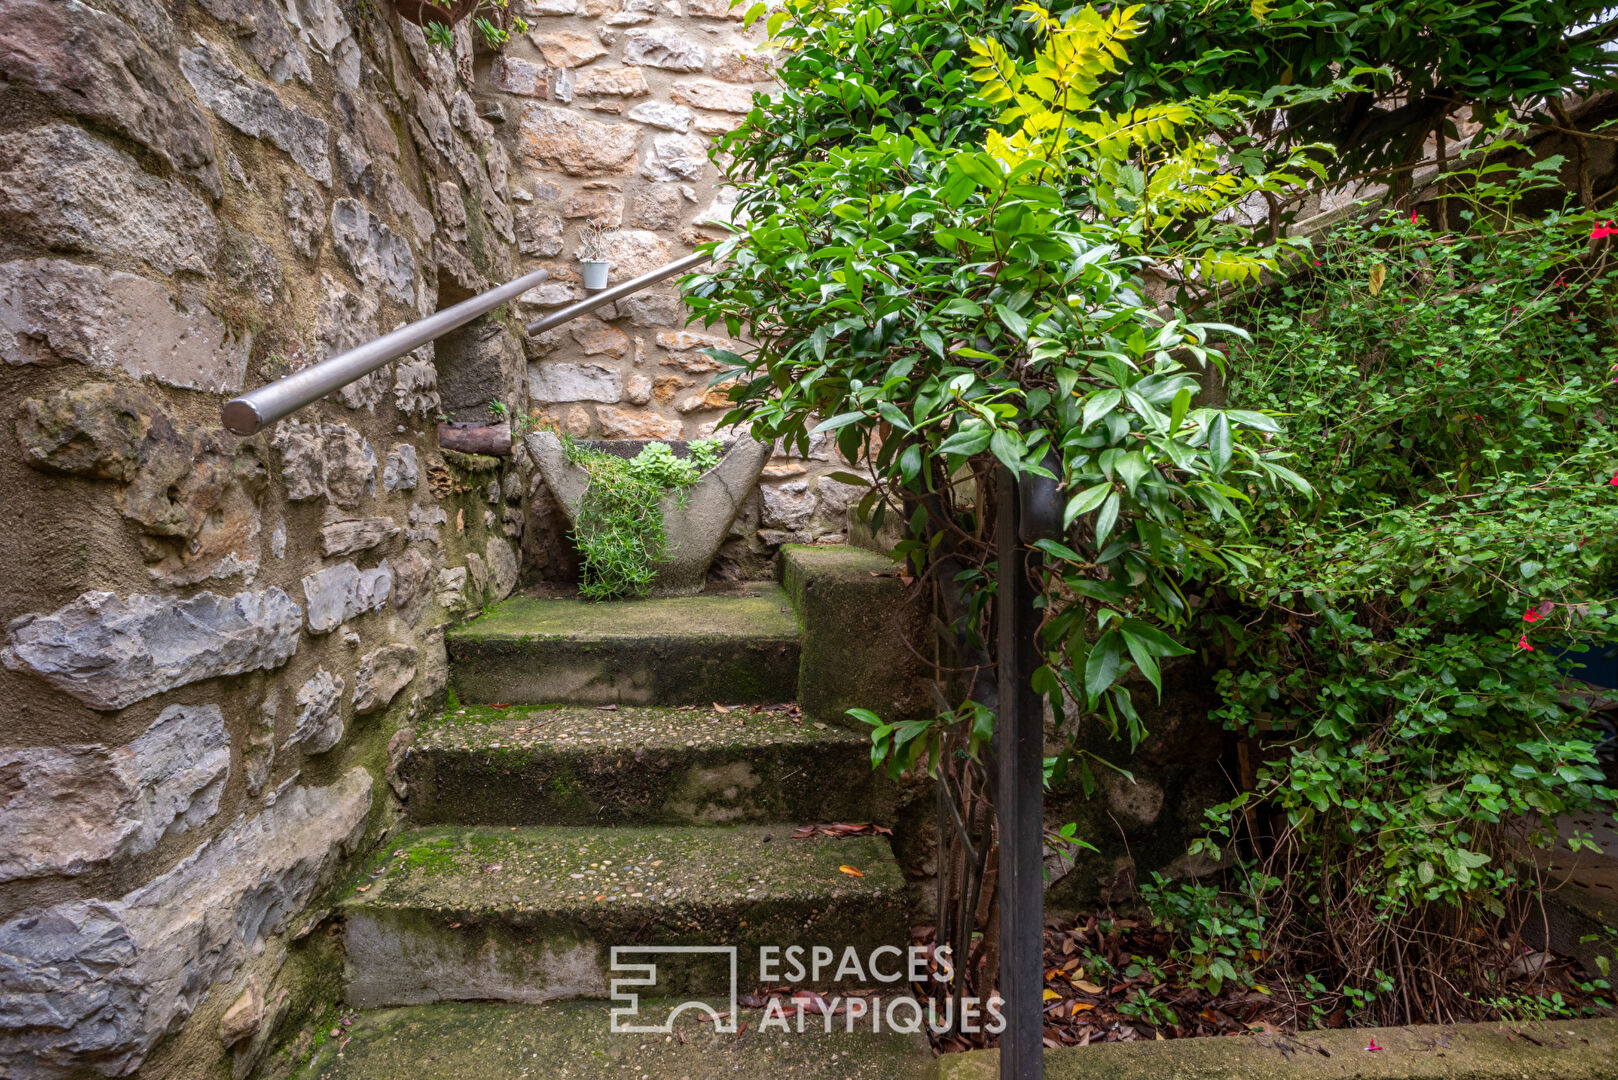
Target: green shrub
(1395,645)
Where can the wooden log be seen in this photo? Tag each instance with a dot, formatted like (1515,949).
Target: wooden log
(494,439)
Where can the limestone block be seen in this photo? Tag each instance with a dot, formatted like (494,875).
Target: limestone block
(636,251)
(539,231)
(339,593)
(502,563)
(626,82)
(373,252)
(635,424)
(305,212)
(322,25)
(325,460)
(64,189)
(415,390)
(700,94)
(551,383)
(110,653)
(605,208)
(658,206)
(357,534)
(788,506)
(401,473)
(517,76)
(565,49)
(552,138)
(320,713)
(92,65)
(263,31)
(251,267)
(255,109)
(94,984)
(382,673)
(53,311)
(660,114)
(738,65)
(675,157)
(856,614)
(67,809)
(715,9)
(661,47)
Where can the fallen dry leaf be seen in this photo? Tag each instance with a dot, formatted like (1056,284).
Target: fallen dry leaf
(720,708)
(850,871)
(1088,987)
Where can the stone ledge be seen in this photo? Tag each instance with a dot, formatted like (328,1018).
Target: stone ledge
(1561,1050)
(855,612)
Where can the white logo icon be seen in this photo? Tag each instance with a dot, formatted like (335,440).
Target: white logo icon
(627,1002)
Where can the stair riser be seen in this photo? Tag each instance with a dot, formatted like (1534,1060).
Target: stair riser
(784,783)
(629,672)
(412,957)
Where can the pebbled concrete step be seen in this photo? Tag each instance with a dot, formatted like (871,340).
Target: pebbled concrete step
(731,648)
(573,1040)
(580,765)
(531,914)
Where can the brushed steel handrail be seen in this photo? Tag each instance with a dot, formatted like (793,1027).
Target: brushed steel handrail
(257,409)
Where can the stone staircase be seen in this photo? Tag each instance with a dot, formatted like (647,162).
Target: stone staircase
(630,774)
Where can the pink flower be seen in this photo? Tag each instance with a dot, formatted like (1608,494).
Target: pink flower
(1412,221)
(1530,616)
(1522,643)
(1614,480)
(1373,1045)
(1602,231)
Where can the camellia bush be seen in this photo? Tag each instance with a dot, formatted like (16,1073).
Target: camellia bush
(954,283)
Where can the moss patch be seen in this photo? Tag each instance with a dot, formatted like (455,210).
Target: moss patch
(573,1041)
(574,765)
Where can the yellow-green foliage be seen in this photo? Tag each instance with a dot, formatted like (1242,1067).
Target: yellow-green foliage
(1146,163)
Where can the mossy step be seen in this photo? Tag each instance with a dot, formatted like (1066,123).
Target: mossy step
(732,648)
(532,914)
(581,765)
(573,1040)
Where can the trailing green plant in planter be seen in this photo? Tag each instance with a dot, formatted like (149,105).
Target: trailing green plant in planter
(619,526)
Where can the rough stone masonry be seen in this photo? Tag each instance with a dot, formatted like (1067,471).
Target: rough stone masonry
(214,648)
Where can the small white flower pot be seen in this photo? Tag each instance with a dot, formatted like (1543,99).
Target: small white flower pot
(594,272)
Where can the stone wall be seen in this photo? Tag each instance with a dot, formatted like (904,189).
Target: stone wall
(608,110)
(214,646)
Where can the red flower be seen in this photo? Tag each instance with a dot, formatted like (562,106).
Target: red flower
(1602,231)
(1614,480)
(1530,615)
(1522,643)
(1412,221)
(1373,1046)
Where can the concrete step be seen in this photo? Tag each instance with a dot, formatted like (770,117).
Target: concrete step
(735,647)
(581,765)
(573,1040)
(533,914)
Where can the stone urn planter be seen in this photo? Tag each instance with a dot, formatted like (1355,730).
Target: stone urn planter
(696,519)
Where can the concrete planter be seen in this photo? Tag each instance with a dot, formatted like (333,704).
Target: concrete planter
(696,519)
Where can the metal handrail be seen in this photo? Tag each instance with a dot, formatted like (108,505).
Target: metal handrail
(259,408)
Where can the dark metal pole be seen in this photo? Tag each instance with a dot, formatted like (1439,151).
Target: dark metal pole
(1019,792)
